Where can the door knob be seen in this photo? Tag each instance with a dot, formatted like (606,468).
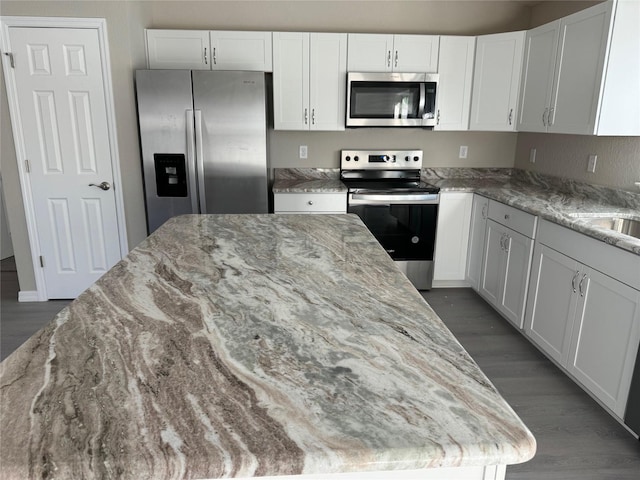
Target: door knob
(103,185)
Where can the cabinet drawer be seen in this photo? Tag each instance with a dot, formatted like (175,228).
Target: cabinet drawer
(515,219)
(310,202)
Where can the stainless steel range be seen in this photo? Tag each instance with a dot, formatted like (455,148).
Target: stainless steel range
(385,191)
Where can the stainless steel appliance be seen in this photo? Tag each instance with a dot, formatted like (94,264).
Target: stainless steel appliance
(203,142)
(632,412)
(385,191)
(391,99)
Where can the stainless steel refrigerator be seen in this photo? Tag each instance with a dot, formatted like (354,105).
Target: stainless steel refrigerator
(204,143)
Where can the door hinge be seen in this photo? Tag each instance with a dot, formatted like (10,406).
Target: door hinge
(11,61)
(41,261)
(27,166)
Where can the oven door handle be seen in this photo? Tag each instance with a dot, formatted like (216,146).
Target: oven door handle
(385,199)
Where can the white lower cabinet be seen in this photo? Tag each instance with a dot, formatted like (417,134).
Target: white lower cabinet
(477,231)
(585,320)
(309,202)
(505,273)
(452,239)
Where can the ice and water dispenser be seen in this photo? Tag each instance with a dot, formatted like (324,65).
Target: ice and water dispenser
(171,174)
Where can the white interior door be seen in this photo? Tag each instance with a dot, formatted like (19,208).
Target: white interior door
(62,113)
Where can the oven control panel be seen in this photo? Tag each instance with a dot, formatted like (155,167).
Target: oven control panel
(380,159)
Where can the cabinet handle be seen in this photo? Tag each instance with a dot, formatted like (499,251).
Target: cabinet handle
(573,281)
(584,277)
(206,62)
(388,58)
(396,60)
(502,238)
(215,62)
(510,116)
(544,115)
(550,117)
(438,118)
(484,211)
(313,116)
(507,238)
(306,116)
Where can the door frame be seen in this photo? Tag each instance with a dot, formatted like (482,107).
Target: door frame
(100,25)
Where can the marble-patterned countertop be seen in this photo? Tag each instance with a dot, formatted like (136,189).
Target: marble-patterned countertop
(571,209)
(567,203)
(249,345)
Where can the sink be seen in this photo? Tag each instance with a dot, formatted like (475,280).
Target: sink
(627,226)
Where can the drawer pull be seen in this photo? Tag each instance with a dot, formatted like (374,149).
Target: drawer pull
(310,202)
(506,216)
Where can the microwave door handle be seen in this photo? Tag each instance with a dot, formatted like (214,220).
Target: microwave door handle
(422,101)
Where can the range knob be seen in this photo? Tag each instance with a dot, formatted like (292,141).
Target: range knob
(347,158)
(356,158)
(393,159)
(416,158)
(406,159)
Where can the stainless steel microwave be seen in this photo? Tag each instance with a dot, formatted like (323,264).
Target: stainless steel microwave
(391,99)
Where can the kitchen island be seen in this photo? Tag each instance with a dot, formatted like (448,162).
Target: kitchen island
(252,345)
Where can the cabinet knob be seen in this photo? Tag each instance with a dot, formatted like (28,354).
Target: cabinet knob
(506,216)
(310,202)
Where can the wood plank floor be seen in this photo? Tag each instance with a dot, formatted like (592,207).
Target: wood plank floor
(577,439)
(18,321)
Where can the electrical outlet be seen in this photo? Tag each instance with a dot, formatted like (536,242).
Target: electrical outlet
(463,151)
(532,155)
(591,166)
(303,151)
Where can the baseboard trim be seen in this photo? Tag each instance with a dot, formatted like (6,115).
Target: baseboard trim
(450,284)
(29,296)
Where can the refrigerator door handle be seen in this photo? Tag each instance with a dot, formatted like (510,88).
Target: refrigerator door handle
(200,162)
(191,162)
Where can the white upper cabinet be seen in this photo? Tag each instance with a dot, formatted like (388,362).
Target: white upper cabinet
(455,69)
(186,49)
(209,50)
(393,53)
(309,80)
(241,51)
(496,81)
(581,73)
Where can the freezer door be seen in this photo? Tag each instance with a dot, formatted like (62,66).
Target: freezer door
(166,126)
(231,141)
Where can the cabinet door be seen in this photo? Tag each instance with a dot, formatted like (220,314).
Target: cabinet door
(291,81)
(241,51)
(496,81)
(370,52)
(579,69)
(452,238)
(455,68)
(605,338)
(516,277)
(493,266)
(537,77)
(179,49)
(551,305)
(476,240)
(415,53)
(328,79)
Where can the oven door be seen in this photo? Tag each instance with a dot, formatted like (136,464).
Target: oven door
(405,225)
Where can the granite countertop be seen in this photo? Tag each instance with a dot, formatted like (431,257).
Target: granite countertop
(249,345)
(571,204)
(567,203)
